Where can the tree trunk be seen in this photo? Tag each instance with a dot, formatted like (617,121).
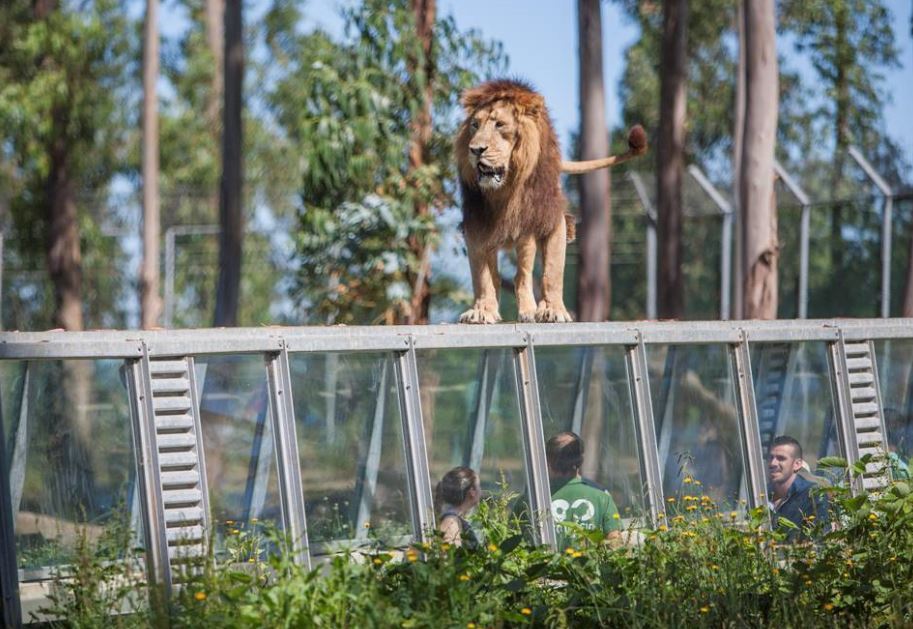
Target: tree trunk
(842,101)
(738,131)
(670,157)
(63,253)
(594,248)
(908,285)
(757,184)
(425,15)
(231,219)
(149,282)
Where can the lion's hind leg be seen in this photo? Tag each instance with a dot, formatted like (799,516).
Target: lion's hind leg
(483,265)
(551,309)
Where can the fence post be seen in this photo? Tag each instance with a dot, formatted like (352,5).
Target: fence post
(650,213)
(805,204)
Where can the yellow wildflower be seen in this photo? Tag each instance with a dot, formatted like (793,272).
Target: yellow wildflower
(873,517)
(492,547)
(200,596)
(615,516)
(828,607)
(577,554)
(705,610)
(663,527)
(464,577)
(470,625)
(691,508)
(526,611)
(687,480)
(670,499)
(378,561)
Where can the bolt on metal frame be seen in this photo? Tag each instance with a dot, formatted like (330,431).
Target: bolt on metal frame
(275,345)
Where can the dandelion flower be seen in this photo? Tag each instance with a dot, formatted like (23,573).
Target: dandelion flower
(670,499)
(687,480)
(464,577)
(470,625)
(200,596)
(492,547)
(828,607)
(577,555)
(526,611)
(705,610)
(873,517)
(569,551)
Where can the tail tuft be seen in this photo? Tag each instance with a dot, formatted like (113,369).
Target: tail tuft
(637,139)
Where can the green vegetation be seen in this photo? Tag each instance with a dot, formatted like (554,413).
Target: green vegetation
(699,568)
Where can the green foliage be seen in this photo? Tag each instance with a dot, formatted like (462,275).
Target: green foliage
(347,110)
(701,568)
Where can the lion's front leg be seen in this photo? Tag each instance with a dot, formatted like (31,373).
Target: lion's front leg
(483,263)
(551,309)
(523,281)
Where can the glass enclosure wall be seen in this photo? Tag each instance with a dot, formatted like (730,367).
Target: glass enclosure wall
(697,423)
(350,440)
(70,453)
(339,435)
(238,442)
(471,416)
(586,390)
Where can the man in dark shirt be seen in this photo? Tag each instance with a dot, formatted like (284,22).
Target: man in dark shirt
(574,498)
(791,496)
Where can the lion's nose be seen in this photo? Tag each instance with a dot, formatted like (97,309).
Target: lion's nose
(477,150)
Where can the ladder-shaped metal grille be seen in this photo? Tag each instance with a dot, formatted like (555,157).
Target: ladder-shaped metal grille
(181,467)
(864,399)
(772,371)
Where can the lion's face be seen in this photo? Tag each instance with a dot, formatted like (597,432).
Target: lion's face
(493,133)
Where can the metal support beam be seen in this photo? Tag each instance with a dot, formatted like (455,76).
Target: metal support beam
(20,443)
(650,471)
(886,219)
(725,239)
(260,465)
(650,213)
(367,483)
(139,388)
(10,609)
(291,493)
(539,494)
(843,405)
(584,374)
(487,377)
(750,435)
(804,219)
(416,455)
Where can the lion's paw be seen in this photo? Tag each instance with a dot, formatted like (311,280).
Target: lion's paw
(527,317)
(480,315)
(551,314)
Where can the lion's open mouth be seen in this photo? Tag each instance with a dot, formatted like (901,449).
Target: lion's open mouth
(496,175)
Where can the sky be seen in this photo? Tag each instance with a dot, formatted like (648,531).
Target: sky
(540,39)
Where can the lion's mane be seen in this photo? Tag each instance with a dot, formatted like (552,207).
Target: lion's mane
(531,202)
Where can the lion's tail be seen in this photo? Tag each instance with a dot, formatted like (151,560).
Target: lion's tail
(637,145)
(571,221)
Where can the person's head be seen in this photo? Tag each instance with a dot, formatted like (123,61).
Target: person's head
(784,461)
(564,453)
(459,488)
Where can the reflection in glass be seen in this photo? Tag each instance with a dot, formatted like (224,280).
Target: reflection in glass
(586,390)
(238,443)
(793,396)
(350,440)
(472,416)
(697,422)
(895,376)
(70,452)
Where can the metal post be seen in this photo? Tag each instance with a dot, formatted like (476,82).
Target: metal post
(139,393)
(291,494)
(487,377)
(21,445)
(639,382)
(1,279)
(10,610)
(538,490)
(725,238)
(584,374)
(886,219)
(650,212)
(170,234)
(752,450)
(805,204)
(416,455)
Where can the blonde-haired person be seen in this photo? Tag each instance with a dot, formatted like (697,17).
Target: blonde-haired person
(457,496)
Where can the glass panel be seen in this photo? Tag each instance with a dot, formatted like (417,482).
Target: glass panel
(350,439)
(237,444)
(793,395)
(472,417)
(697,422)
(895,375)
(586,391)
(72,465)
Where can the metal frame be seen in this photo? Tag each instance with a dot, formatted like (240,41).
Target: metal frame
(136,348)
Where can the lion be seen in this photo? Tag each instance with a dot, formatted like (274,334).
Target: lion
(509,168)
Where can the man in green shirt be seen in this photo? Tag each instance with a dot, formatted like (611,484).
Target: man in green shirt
(574,498)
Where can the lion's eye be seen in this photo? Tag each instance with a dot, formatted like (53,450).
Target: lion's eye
(500,124)
(474,124)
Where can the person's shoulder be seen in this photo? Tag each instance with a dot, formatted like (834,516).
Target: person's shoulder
(591,484)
